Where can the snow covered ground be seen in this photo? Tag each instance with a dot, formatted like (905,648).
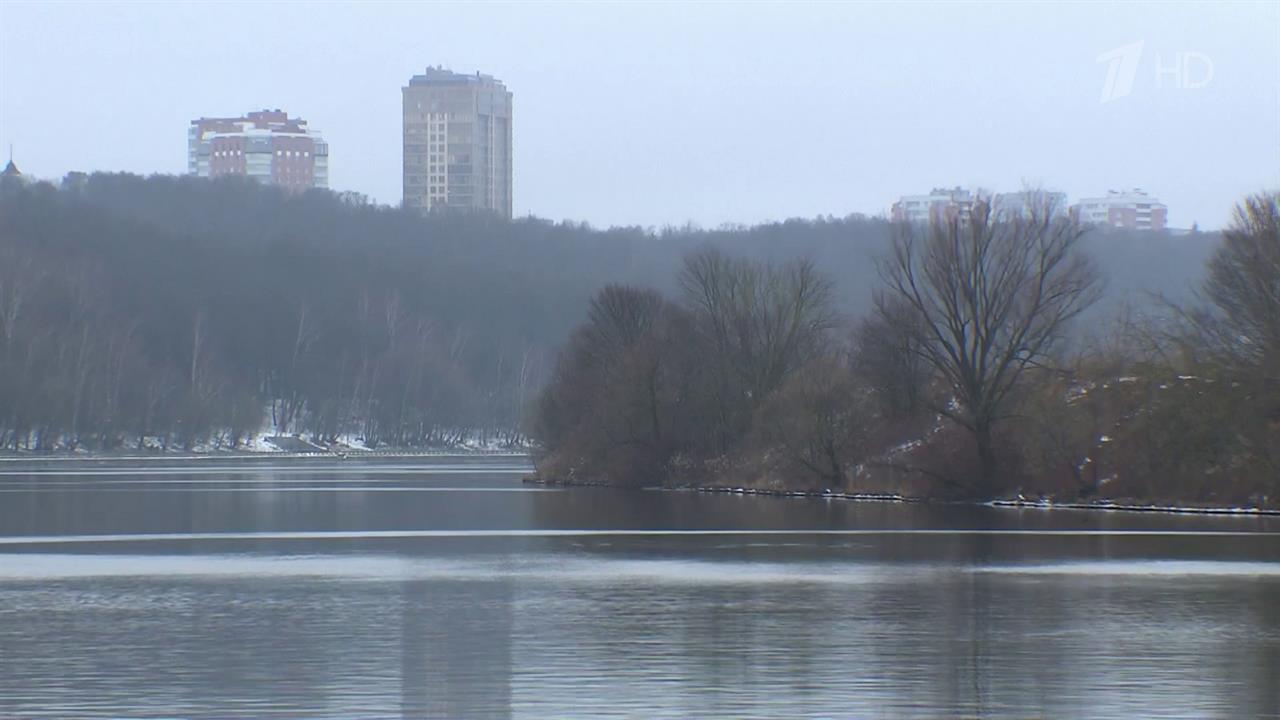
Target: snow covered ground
(269,443)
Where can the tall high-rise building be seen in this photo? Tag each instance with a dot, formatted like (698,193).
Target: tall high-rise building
(457,142)
(268,146)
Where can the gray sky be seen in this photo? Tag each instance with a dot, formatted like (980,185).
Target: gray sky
(657,114)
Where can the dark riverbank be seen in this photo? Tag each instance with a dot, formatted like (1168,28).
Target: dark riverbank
(1110,505)
(255,454)
(237,456)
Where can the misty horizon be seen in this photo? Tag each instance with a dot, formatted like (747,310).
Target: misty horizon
(654,116)
(596,359)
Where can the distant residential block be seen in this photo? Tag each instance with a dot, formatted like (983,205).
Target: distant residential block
(1133,209)
(267,146)
(940,205)
(457,142)
(945,204)
(1026,200)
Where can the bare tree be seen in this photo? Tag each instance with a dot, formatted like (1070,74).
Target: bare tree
(1241,325)
(1236,328)
(886,356)
(18,279)
(617,318)
(619,404)
(816,422)
(762,322)
(992,293)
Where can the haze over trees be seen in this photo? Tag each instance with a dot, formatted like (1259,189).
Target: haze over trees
(190,313)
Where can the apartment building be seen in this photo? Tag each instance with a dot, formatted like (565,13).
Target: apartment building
(940,205)
(457,142)
(266,145)
(945,204)
(1132,209)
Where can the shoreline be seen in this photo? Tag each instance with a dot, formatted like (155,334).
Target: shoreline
(239,455)
(1004,503)
(533,479)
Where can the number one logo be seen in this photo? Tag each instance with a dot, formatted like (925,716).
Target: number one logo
(1122,67)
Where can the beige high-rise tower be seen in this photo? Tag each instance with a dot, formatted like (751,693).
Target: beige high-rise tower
(457,142)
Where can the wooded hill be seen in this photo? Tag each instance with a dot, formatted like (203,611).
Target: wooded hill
(198,312)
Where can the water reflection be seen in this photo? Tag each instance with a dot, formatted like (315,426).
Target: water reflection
(455,649)
(366,592)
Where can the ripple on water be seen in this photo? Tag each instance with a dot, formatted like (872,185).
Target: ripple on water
(576,567)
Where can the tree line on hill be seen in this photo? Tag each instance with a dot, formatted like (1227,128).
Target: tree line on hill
(185,312)
(968,378)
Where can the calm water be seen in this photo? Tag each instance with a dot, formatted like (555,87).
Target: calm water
(448,589)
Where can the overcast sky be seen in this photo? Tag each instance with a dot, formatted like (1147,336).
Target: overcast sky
(656,114)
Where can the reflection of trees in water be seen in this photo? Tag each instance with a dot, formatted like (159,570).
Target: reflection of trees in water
(231,648)
(613,508)
(456,649)
(929,628)
(921,623)
(1261,671)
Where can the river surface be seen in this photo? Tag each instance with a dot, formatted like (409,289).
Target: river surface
(445,588)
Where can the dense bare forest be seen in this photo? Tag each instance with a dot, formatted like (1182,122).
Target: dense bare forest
(970,376)
(181,312)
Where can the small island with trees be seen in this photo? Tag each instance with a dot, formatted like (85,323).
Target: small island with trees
(966,380)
